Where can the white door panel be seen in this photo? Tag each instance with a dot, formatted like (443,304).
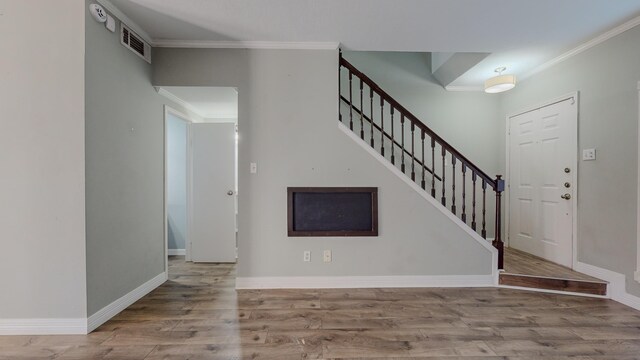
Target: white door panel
(542,145)
(214,229)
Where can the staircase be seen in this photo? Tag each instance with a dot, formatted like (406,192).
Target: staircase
(432,163)
(449,177)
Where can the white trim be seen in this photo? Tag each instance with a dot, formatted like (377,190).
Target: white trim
(574,221)
(487,245)
(340,282)
(553,291)
(169,95)
(108,5)
(278,45)
(583,47)
(463,88)
(103,315)
(73,326)
(176,252)
(617,289)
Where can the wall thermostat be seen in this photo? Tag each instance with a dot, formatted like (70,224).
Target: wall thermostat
(98,13)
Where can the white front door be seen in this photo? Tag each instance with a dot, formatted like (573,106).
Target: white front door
(213,193)
(542,157)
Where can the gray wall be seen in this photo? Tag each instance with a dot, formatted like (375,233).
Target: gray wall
(176,181)
(606,77)
(288,125)
(124,168)
(42,160)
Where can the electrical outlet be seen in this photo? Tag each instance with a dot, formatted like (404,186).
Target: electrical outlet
(588,154)
(327,256)
(306,256)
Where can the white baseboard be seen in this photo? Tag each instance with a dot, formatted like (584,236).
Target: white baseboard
(111,310)
(72,326)
(172,252)
(617,288)
(341,282)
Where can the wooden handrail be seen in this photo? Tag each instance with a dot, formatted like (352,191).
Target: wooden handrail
(377,127)
(407,114)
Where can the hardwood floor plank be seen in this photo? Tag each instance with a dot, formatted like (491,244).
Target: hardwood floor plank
(199,315)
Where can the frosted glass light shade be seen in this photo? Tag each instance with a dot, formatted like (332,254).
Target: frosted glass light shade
(499,83)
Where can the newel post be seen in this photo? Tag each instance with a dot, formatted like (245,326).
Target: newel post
(497,242)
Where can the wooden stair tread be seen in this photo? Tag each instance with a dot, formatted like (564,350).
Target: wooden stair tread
(590,287)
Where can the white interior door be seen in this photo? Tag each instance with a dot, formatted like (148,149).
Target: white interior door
(542,157)
(213,193)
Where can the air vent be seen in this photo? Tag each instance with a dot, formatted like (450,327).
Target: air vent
(135,43)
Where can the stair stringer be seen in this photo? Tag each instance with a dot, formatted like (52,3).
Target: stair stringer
(457,221)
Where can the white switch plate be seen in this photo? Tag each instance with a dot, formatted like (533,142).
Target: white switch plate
(110,24)
(636,275)
(588,154)
(327,256)
(306,256)
(253,168)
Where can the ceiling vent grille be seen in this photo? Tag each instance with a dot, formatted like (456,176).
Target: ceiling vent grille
(135,43)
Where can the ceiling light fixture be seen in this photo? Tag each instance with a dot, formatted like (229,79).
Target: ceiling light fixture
(500,82)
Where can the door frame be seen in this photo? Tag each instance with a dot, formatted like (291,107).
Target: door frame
(187,243)
(574,219)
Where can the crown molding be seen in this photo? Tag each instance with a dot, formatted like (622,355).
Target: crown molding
(583,47)
(108,5)
(276,45)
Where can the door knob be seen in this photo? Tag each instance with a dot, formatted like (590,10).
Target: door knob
(566,196)
(230,192)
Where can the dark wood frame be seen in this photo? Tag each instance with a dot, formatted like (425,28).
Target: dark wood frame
(374,211)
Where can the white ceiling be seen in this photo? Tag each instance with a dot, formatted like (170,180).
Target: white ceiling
(520,34)
(207,102)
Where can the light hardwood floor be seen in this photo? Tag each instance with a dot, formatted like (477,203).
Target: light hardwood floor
(198,315)
(520,262)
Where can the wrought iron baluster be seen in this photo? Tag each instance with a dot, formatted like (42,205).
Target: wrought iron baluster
(484,209)
(340,92)
(381,126)
(413,157)
(464,192)
(361,112)
(350,101)
(402,150)
(453,184)
(371,112)
(473,200)
(433,168)
(422,183)
(444,196)
(393,157)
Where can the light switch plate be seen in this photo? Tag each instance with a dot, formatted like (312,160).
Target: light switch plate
(588,154)
(253,168)
(636,275)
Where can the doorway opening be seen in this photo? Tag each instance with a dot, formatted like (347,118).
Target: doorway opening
(201,186)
